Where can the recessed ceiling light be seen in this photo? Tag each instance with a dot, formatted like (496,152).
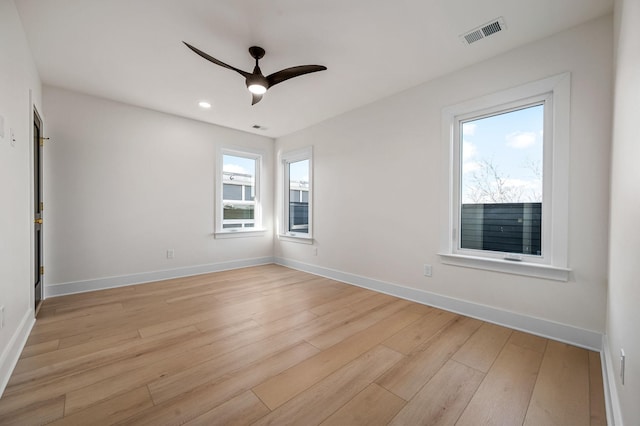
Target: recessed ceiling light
(204,104)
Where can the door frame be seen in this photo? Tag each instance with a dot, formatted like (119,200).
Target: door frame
(37,188)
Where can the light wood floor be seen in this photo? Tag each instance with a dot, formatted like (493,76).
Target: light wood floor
(270,345)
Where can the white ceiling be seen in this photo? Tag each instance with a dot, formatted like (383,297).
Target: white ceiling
(131,50)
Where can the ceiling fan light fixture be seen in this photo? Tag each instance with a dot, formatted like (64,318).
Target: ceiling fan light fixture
(257,88)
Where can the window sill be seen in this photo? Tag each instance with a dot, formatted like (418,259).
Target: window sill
(239,234)
(506,266)
(301,239)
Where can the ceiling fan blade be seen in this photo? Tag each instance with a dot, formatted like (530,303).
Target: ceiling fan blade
(215,61)
(287,73)
(255,98)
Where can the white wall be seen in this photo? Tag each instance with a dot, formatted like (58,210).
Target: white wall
(124,184)
(386,156)
(623,316)
(19,83)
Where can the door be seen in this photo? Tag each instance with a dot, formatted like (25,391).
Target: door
(38,207)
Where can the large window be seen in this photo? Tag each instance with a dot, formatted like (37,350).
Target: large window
(238,207)
(501,180)
(508,179)
(297,209)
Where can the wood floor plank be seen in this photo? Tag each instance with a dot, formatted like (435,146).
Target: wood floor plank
(121,358)
(443,398)
(57,359)
(528,341)
(420,332)
(409,376)
(206,397)
(343,302)
(373,406)
(481,350)
(318,402)
(504,394)
(277,390)
(40,348)
(596,391)
(37,413)
(244,409)
(561,393)
(169,383)
(356,324)
(110,411)
(160,367)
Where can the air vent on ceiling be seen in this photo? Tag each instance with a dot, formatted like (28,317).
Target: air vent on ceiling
(483,31)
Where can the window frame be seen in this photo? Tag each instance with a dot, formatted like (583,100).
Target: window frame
(555,93)
(286,159)
(258,228)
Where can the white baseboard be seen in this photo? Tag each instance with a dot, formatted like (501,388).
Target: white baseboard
(62,289)
(553,330)
(614,413)
(10,355)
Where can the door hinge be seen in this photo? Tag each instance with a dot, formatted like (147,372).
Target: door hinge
(42,141)
(41,206)
(42,270)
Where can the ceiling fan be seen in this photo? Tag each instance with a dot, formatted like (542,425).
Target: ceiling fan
(256,82)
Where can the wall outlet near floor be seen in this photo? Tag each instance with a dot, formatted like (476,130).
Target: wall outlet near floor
(1,316)
(622,362)
(170,253)
(427,270)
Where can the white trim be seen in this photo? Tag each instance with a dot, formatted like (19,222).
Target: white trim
(612,402)
(587,339)
(11,354)
(556,211)
(239,233)
(301,239)
(62,289)
(536,270)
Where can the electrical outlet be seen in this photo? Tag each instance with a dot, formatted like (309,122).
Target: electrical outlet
(1,316)
(622,362)
(427,270)
(170,253)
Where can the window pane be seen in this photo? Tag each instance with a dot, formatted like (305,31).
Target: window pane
(298,210)
(242,211)
(249,193)
(231,192)
(305,196)
(238,171)
(501,182)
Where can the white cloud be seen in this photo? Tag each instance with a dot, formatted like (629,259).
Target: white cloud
(234,168)
(469,150)
(521,140)
(469,129)
(470,166)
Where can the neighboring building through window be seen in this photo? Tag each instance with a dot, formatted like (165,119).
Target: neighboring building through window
(239,199)
(508,175)
(297,207)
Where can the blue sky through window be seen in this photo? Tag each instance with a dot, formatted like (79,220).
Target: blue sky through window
(502,157)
